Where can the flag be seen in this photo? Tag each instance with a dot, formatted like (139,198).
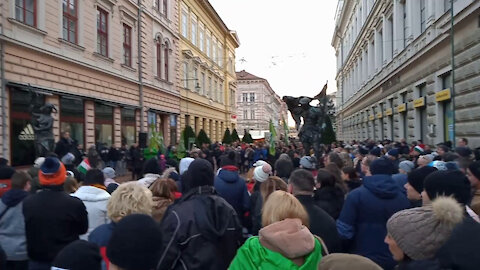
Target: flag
(84,166)
(273,135)
(181,151)
(285,130)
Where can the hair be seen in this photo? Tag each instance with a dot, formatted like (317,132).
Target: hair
(129,198)
(335,171)
(450,157)
(270,185)
(350,172)
(347,160)
(369,159)
(336,159)
(94,176)
(93,157)
(250,172)
(465,140)
(444,148)
(282,205)
(152,166)
(70,185)
(302,181)
(164,188)
(325,178)
(283,168)
(20,179)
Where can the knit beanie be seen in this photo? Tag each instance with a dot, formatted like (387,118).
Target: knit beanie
(393,153)
(417,177)
(259,163)
(343,261)
(261,173)
(448,183)
(184,164)
(475,169)
(109,172)
(381,166)
(199,173)
(363,151)
(38,162)
(406,165)
(94,176)
(376,151)
(421,231)
(68,159)
(228,160)
(419,149)
(52,172)
(308,162)
(78,255)
(135,243)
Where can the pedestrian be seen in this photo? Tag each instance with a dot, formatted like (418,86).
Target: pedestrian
(110,182)
(284,242)
(151,172)
(309,163)
(78,255)
(163,191)
(283,167)
(473,173)
(350,178)
(53,219)
(260,174)
(342,261)
(414,185)
(404,168)
(301,184)
(208,223)
(136,161)
(65,145)
(272,184)
(362,221)
(95,198)
(329,195)
(12,222)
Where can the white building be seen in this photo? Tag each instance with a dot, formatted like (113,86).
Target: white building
(394,70)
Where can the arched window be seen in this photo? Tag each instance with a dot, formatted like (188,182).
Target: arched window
(159,59)
(165,59)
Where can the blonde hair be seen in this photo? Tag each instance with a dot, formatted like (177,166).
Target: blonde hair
(272,184)
(282,205)
(129,198)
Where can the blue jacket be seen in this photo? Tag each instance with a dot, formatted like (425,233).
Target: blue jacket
(365,214)
(233,189)
(260,154)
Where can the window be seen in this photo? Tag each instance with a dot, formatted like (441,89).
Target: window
(208,44)
(26,11)
(201,39)
(404,26)
(202,90)
(423,16)
(165,60)
(422,113)
(245,114)
(195,75)
(156,5)
(194,30)
(72,118)
(102,32)
(159,61)
(70,20)
(220,92)
(220,54)
(214,49)
(184,23)
(165,8)
(252,114)
(215,92)
(185,75)
(209,90)
(127,45)
(244,97)
(103,124)
(252,97)
(128,126)
(447,109)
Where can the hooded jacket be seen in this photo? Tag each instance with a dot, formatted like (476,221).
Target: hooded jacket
(286,244)
(95,200)
(330,199)
(199,231)
(12,225)
(365,214)
(230,186)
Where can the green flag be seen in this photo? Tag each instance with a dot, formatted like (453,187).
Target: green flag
(181,151)
(273,135)
(285,130)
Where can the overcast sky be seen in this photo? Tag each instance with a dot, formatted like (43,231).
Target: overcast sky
(285,42)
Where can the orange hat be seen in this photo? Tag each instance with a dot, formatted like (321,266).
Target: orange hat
(52,172)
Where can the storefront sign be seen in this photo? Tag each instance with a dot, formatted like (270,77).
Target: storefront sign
(379,115)
(389,111)
(419,102)
(402,107)
(443,95)
(372,117)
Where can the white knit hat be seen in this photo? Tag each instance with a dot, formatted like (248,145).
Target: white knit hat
(261,173)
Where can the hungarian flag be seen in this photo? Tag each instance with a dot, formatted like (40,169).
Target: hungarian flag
(84,166)
(273,136)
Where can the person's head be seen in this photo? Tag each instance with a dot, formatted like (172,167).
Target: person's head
(199,173)
(463,142)
(417,151)
(447,183)
(442,149)
(283,167)
(66,135)
(184,164)
(282,205)
(334,158)
(308,162)
(423,160)
(343,261)
(52,172)
(70,185)
(228,159)
(473,174)
(393,154)
(109,172)
(79,254)
(272,184)
(21,180)
(365,165)
(301,182)
(415,179)
(129,198)
(94,177)
(325,179)
(164,188)
(419,232)
(349,173)
(152,167)
(261,172)
(405,167)
(68,159)
(381,166)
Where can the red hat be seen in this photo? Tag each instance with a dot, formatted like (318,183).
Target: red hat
(52,172)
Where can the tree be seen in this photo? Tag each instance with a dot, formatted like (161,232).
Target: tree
(247,138)
(189,135)
(235,137)
(328,134)
(202,138)
(227,137)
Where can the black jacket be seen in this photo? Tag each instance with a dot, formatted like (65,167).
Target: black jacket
(199,231)
(53,219)
(321,224)
(416,265)
(331,200)
(256,203)
(63,147)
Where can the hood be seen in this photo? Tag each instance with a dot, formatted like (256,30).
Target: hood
(287,237)
(14,197)
(184,164)
(228,175)
(382,185)
(91,194)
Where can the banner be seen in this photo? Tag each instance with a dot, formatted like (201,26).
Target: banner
(273,135)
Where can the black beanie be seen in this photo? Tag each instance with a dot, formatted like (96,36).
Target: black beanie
(79,255)
(416,177)
(381,166)
(475,169)
(199,173)
(448,183)
(135,243)
(228,160)
(94,176)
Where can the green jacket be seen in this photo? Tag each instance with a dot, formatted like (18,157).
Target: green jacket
(252,255)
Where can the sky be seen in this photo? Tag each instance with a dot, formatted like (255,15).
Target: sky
(286,42)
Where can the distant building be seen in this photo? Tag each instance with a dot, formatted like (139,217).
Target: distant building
(257,104)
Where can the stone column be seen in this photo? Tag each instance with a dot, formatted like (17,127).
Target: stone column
(89,124)
(398,26)
(117,127)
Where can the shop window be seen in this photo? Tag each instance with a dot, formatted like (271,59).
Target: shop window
(173,130)
(103,124)
(72,118)
(128,126)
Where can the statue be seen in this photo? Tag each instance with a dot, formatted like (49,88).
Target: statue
(42,123)
(313,119)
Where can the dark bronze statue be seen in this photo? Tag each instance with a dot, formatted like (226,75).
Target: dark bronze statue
(42,123)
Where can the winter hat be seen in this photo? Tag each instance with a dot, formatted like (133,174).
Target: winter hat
(376,151)
(78,255)
(199,173)
(393,153)
(440,165)
(406,165)
(308,162)
(109,172)
(38,162)
(228,160)
(419,149)
(475,169)
(259,163)
(261,173)
(135,243)
(152,166)
(448,183)
(52,172)
(94,177)
(363,151)
(381,166)
(184,163)
(421,231)
(343,261)
(417,177)
(68,159)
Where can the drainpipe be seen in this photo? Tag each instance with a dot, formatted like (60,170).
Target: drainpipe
(140,79)
(453,71)
(4,90)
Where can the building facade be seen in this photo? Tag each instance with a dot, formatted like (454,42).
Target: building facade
(394,70)
(207,67)
(257,104)
(109,67)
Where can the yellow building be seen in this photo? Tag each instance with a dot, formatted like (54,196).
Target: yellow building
(207,69)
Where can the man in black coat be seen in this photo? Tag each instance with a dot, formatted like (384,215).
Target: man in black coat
(65,145)
(200,230)
(53,219)
(301,184)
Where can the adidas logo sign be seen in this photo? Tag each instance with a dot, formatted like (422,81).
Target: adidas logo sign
(27,134)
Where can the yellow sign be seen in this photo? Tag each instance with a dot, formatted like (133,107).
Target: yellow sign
(372,117)
(402,107)
(389,111)
(379,115)
(419,102)
(443,95)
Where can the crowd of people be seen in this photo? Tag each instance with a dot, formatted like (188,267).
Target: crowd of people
(361,205)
